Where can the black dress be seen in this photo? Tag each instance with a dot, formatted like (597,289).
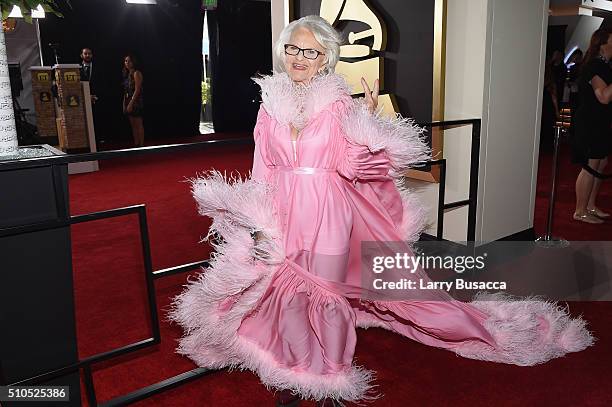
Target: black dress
(592,133)
(129,85)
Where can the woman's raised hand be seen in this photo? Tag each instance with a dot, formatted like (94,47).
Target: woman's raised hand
(371,96)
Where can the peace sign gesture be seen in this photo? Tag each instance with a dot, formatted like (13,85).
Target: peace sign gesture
(371,97)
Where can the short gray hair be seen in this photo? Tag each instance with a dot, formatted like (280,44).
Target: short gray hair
(323,32)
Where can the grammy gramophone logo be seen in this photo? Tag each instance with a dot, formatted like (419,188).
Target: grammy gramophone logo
(358,59)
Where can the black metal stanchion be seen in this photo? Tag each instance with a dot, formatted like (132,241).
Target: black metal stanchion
(548,240)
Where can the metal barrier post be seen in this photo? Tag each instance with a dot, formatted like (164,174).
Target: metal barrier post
(548,240)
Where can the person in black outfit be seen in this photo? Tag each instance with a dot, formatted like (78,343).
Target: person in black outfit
(87,74)
(133,99)
(86,64)
(592,140)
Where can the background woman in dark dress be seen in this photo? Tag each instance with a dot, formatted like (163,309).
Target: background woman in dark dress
(133,102)
(593,135)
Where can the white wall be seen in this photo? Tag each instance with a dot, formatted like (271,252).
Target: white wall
(495,52)
(597,4)
(465,69)
(581,37)
(280,18)
(516,46)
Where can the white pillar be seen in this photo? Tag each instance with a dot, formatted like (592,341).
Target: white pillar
(495,56)
(466,37)
(512,106)
(279,18)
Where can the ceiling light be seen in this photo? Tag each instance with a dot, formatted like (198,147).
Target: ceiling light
(38,12)
(569,54)
(141,1)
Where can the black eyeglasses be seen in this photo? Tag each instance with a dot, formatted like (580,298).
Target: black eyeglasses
(308,53)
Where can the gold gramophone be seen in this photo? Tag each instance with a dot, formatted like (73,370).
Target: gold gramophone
(371,67)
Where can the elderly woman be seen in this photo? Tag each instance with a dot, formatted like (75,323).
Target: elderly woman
(285,292)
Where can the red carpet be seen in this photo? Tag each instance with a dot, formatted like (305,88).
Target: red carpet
(564,225)
(111,300)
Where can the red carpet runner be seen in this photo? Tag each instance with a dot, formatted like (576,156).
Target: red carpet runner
(111,311)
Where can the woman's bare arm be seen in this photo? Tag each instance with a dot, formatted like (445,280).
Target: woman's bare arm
(137,85)
(603,92)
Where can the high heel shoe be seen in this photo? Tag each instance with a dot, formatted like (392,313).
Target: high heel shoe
(285,398)
(598,212)
(587,218)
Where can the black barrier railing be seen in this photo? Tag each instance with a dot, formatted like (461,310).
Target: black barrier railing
(85,365)
(548,240)
(472,199)
(179,269)
(107,155)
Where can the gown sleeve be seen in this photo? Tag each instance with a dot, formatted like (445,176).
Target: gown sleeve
(375,143)
(240,206)
(358,163)
(378,150)
(260,169)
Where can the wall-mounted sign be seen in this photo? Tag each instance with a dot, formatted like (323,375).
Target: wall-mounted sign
(72,100)
(358,60)
(71,76)
(45,97)
(598,4)
(42,76)
(209,4)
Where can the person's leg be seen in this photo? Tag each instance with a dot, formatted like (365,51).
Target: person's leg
(141,135)
(98,130)
(592,203)
(134,128)
(584,186)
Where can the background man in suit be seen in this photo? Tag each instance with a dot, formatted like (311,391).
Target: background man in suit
(87,70)
(87,75)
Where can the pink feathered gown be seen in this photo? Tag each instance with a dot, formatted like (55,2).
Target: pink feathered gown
(287,306)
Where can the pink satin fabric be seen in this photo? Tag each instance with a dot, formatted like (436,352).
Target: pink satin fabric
(328,201)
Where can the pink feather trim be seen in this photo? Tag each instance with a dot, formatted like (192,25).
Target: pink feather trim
(414,216)
(237,207)
(281,97)
(400,138)
(527,331)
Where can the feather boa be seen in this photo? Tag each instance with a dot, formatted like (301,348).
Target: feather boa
(236,205)
(283,100)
